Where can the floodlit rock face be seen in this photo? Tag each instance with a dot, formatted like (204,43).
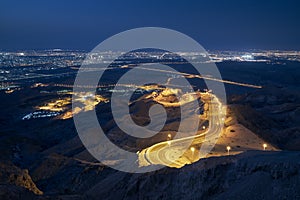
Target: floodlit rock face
(11,174)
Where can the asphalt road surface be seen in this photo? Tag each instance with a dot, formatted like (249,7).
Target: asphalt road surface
(169,153)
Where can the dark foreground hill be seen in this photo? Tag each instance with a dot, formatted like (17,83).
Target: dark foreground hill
(251,175)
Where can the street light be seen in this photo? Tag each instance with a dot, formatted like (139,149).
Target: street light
(169,136)
(169,143)
(228,149)
(203,127)
(265,146)
(193,150)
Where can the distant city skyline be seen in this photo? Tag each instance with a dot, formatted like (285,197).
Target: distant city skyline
(217,25)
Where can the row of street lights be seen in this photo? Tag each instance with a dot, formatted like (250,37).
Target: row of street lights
(228,148)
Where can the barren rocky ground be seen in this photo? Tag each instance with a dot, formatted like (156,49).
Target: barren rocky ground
(44,158)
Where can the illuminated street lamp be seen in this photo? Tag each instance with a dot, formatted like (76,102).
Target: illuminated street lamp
(203,127)
(228,149)
(265,146)
(169,136)
(193,150)
(169,143)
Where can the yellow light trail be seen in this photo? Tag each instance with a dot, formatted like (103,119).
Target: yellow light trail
(187,75)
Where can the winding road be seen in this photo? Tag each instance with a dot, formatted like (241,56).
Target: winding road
(169,153)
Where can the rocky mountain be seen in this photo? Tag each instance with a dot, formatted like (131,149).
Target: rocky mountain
(251,175)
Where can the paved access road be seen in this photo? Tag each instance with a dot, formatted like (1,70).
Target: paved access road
(168,153)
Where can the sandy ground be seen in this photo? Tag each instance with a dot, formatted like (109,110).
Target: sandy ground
(239,138)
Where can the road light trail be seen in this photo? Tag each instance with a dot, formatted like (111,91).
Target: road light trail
(160,152)
(163,153)
(178,73)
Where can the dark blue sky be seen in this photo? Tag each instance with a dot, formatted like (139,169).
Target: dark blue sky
(223,24)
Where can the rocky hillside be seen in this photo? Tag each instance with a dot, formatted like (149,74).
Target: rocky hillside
(251,175)
(273,113)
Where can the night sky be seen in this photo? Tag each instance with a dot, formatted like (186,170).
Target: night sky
(223,24)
